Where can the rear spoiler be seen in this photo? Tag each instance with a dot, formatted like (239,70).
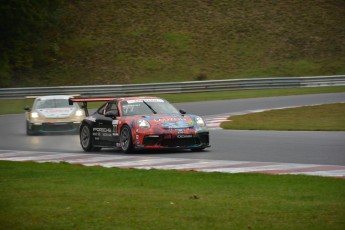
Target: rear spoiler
(86,100)
(34,97)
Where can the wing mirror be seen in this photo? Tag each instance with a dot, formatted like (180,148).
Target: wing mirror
(112,114)
(27,108)
(182,111)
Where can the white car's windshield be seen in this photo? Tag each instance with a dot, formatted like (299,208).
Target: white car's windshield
(52,103)
(147,106)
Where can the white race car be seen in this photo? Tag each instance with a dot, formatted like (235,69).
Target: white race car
(53,114)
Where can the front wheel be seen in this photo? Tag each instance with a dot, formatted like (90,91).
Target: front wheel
(126,139)
(86,139)
(197,149)
(28,131)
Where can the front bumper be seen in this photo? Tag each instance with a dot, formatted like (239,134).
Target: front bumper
(181,141)
(52,127)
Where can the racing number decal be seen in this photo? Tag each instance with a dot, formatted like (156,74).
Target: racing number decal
(115,124)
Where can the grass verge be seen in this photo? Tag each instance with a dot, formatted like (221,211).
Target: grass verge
(242,94)
(328,117)
(62,196)
(12,106)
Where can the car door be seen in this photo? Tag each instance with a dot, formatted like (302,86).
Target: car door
(106,127)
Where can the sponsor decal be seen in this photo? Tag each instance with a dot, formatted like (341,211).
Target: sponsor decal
(169,119)
(182,124)
(180,131)
(57,110)
(184,136)
(54,113)
(115,124)
(102,130)
(146,100)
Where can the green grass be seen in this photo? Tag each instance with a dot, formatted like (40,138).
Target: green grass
(62,196)
(328,117)
(116,42)
(242,94)
(13,106)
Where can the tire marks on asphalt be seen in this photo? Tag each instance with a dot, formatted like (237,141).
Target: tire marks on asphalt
(202,165)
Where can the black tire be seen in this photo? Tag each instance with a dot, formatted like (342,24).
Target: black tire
(86,139)
(28,131)
(197,149)
(126,140)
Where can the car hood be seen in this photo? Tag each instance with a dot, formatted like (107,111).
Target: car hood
(56,112)
(175,121)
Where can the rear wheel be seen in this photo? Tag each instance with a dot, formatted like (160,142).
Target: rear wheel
(86,139)
(126,139)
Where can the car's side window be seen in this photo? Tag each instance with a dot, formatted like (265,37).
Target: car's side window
(101,110)
(110,106)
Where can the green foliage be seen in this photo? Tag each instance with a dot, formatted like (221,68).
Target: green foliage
(178,40)
(28,36)
(114,42)
(5,72)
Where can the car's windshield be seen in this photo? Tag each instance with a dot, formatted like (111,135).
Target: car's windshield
(52,103)
(147,106)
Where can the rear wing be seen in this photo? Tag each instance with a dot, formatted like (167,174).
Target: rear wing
(86,100)
(34,97)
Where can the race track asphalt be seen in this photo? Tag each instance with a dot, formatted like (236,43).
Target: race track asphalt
(327,148)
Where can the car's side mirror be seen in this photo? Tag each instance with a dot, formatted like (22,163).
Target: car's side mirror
(27,108)
(112,114)
(182,111)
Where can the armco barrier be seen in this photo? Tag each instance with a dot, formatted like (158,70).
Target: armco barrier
(175,87)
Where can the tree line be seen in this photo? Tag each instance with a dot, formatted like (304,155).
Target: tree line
(29,32)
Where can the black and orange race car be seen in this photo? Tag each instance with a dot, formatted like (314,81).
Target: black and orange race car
(140,123)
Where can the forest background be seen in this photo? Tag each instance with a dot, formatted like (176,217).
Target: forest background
(93,42)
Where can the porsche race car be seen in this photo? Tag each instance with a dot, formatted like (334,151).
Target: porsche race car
(140,123)
(53,114)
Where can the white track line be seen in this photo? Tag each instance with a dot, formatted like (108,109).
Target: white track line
(202,165)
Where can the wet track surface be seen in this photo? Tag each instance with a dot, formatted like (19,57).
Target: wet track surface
(323,148)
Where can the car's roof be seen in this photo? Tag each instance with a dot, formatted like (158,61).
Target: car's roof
(50,97)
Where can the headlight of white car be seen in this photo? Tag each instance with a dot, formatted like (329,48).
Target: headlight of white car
(200,121)
(79,113)
(143,124)
(34,115)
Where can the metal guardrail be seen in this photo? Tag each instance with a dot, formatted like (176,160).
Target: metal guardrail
(175,87)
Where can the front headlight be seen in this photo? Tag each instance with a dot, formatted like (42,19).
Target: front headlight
(144,124)
(200,121)
(79,113)
(34,115)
